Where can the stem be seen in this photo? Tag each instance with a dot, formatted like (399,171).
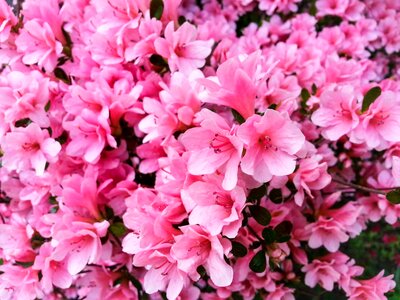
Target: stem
(360,187)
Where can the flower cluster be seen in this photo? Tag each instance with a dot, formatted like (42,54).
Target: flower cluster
(213,149)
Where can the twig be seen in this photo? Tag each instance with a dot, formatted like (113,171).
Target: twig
(360,187)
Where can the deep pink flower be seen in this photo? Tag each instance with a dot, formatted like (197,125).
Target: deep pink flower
(39,45)
(90,132)
(272,141)
(181,49)
(7,20)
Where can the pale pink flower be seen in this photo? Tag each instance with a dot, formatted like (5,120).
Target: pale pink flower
(181,49)
(215,209)
(211,146)
(197,247)
(29,147)
(39,45)
(272,141)
(337,114)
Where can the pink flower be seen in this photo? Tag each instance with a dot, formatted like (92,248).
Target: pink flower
(7,20)
(180,47)
(196,247)
(331,7)
(272,141)
(281,293)
(214,208)
(337,114)
(29,147)
(79,245)
(90,132)
(53,272)
(311,175)
(236,84)
(381,122)
(326,232)
(39,45)
(322,272)
(372,289)
(19,283)
(213,146)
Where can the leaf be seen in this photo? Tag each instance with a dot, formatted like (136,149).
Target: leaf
(238,249)
(260,214)
(118,229)
(156,9)
(23,122)
(370,98)
(275,196)
(47,107)
(238,117)
(269,235)
(305,95)
(258,263)
(60,74)
(257,193)
(393,196)
(283,231)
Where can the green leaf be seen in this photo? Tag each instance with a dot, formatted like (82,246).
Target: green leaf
(393,196)
(370,97)
(23,122)
(238,249)
(258,263)
(283,231)
(156,9)
(273,106)
(314,89)
(238,117)
(305,95)
(118,229)
(269,235)
(257,193)
(47,107)
(158,60)
(275,196)
(1,261)
(236,296)
(118,281)
(260,214)
(24,264)
(60,74)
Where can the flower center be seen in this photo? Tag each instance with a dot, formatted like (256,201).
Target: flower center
(220,143)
